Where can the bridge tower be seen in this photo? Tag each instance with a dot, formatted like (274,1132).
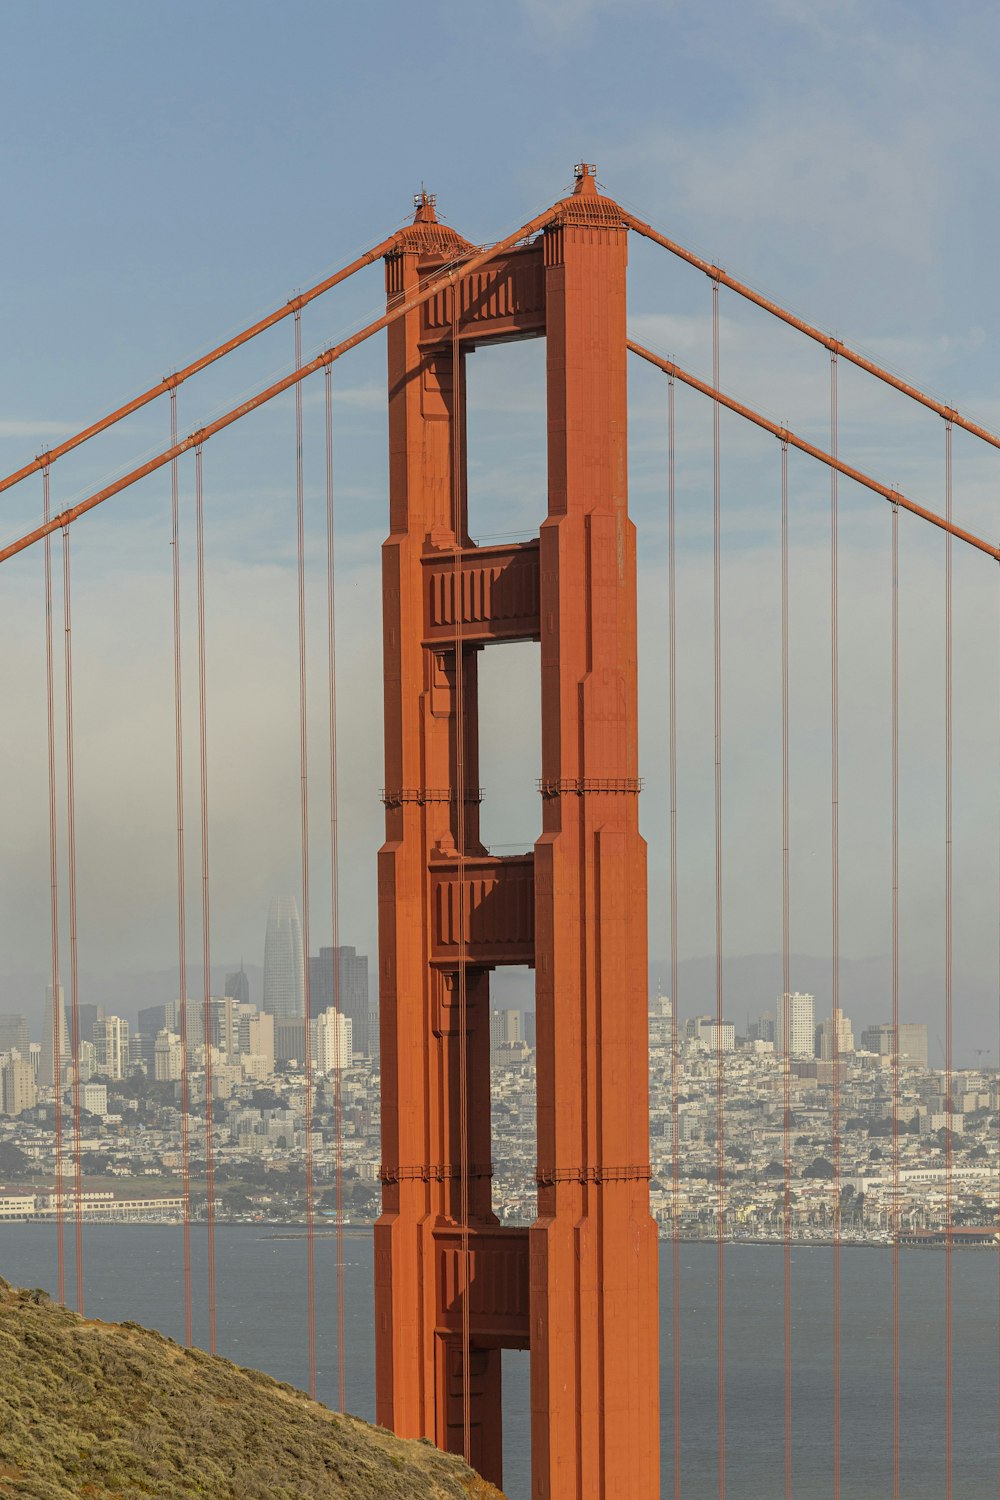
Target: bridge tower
(579,1288)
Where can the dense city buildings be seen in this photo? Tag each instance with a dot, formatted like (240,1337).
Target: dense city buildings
(130,1101)
(284,967)
(14,1034)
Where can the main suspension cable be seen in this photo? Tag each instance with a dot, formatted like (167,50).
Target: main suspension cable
(675,1144)
(171,382)
(74,974)
(331,626)
(835,346)
(893,496)
(181,878)
(300,518)
(206,950)
(201,436)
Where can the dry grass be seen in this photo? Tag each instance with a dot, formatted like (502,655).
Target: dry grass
(115,1412)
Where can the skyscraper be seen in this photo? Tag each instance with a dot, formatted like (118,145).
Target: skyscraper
(284,970)
(46,1066)
(797,1020)
(334,1043)
(238,987)
(111,1042)
(353,994)
(836,1026)
(14,1035)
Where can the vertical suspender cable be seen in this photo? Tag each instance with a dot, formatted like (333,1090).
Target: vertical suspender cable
(206,949)
(675,1142)
(835,911)
(58,1008)
(948,969)
(331,629)
(74,986)
(896,1410)
(720,1055)
(463,1039)
(786,1080)
(300,519)
(181,894)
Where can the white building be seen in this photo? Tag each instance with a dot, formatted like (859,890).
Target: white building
(796,1020)
(167,1057)
(17,1085)
(334,1041)
(111,1042)
(837,1026)
(94,1098)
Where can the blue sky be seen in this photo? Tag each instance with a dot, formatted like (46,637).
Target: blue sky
(172,172)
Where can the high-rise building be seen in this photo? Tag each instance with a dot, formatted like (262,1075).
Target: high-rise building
(17,1085)
(47,1062)
(14,1034)
(284,969)
(334,1042)
(87,1018)
(836,1026)
(528,1026)
(796,1020)
(289,1040)
(167,1057)
(763,1029)
(912,1042)
(238,987)
(256,1034)
(111,1042)
(661,1023)
(505,1026)
(152,1020)
(374,1035)
(352,996)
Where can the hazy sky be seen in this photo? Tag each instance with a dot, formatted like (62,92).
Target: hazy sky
(171,173)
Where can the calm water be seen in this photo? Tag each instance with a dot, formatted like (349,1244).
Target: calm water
(135,1272)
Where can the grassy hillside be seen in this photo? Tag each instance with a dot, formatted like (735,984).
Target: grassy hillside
(114,1412)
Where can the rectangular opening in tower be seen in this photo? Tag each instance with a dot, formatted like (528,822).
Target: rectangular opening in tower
(505,416)
(510,746)
(512,1094)
(516,1367)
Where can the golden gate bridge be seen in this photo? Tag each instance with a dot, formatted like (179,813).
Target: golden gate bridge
(454,1287)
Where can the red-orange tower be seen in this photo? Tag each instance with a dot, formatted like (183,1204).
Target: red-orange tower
(579,1288)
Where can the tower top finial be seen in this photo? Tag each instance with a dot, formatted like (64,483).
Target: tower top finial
(585,173)
(424,204)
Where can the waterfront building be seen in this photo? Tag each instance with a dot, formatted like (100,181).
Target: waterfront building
(284,970)
(795,1028)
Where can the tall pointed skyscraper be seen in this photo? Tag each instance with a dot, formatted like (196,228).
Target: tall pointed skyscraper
(284,968)
(47,1060)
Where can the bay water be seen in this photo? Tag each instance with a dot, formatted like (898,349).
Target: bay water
(136,1272)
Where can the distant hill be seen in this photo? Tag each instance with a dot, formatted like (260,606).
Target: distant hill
(115,1412)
